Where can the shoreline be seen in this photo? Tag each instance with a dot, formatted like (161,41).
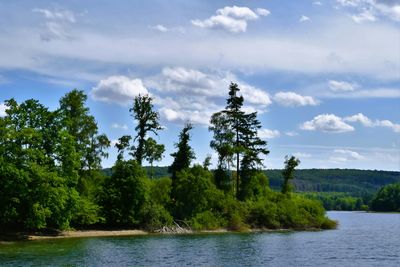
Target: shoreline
(16,237)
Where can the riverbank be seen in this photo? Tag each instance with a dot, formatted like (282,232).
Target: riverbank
(24,236)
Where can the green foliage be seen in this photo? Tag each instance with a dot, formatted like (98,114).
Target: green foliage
(82,126)
(387,198)
(236,135)
(147,121)
(194,192)
(50,177)
(153,152)
(184,154)
(338,201)
(279,211)
(288,173)
(207,220)
(355,182)
(124,194)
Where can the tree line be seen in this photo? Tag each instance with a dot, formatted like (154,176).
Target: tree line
(50,172)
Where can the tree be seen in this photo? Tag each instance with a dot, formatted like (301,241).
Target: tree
(38,167)
(121,145)
(82,126)
(185,154)
(147,121)
(124,194)
(387,198)
(288,173)
(236,134)
(153,152)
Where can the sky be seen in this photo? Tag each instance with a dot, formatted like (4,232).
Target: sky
(324,76)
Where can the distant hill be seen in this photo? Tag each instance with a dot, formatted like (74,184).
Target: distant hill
(355,182)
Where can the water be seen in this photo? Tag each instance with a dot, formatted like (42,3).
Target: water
(362,239)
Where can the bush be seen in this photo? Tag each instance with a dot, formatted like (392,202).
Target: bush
(387,198)
(207,220)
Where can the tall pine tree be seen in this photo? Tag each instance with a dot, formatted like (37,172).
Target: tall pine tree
(236,135)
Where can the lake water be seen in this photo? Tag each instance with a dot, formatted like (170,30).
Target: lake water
(362,239)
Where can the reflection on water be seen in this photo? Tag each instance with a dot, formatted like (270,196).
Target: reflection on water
(362,239)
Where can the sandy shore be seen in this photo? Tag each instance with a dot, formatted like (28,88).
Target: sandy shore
(88,233)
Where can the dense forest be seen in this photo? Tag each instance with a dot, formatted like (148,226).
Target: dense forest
(51,176)
(336,189)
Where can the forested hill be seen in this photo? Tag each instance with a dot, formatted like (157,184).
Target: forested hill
(336,180)
(320,180)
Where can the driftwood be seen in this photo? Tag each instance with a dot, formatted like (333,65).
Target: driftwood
(175,229)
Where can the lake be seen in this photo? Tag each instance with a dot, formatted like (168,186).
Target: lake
(362,239)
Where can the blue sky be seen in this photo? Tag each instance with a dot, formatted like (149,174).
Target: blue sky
(324,76)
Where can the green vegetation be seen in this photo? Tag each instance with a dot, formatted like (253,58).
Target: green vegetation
(50,173)
(354,182)
(387,198)
(339,200)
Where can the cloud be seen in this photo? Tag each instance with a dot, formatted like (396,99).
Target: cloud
(118,89)
(263,12)
(162,28)
(365,15)
(291,133)
(186,81)
(185,94)
(367,122)
(268,134)
(367,10)
(231,18)
(3,109)
(57,22)
(328,123)
(291,99)
(366,93)
(317,3)
(119,126)
(345,155)
(361,118)
(301,155)
(304,18)
(341,86)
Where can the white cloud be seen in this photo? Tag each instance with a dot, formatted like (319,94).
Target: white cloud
(118,89)
(367,10)
(119,126)
(231,18)
(3,109)
(186,94)
(291,99)
(365,121)
(291,133)
(186,81)
(348,154)
(162,28)
(301,155)
(338,86)
(304,18)
(268,134)
(56,23)
(329,123)
(263,12)
(361,118)
(64,15)
(365,15)
(237,12)
(317,3)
